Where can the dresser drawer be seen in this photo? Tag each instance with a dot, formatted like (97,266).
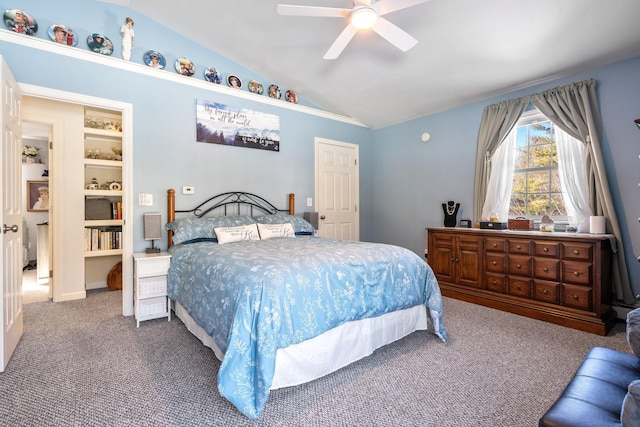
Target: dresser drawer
(546,268)
(577,272)
(495,283)
(495,244)
(520,265)
(577,296)
(148,287)
(153,267)
(550,249)
(517,246)
(577,251)
(546,291)
(495,263)
(519,287)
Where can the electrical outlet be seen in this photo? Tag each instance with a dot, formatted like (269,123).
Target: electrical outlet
(187,189)
(309,201)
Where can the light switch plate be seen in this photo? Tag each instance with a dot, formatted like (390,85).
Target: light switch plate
(309,201)
(145,199)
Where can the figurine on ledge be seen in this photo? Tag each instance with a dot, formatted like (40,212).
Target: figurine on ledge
(450,210)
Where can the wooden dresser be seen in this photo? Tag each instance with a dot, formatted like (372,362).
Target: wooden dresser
(563,278)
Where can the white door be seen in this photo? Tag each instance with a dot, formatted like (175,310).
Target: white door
(337,192)
(10,182)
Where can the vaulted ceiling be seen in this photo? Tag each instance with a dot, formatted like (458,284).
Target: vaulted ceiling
(467,50)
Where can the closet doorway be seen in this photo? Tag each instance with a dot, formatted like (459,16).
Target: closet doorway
(64,112)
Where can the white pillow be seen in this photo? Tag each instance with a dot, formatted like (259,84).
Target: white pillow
(237,234)
(267,231)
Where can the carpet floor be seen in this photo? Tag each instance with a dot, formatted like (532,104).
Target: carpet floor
(81,363)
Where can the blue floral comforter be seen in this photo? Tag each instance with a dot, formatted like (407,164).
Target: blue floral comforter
(254,297)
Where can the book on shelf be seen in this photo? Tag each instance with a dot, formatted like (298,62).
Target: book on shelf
(102,239)
(116,210)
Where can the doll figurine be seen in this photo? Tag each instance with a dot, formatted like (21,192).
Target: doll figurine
(128,38)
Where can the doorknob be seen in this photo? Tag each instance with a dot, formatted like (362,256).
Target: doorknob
(322,217)
(13,228)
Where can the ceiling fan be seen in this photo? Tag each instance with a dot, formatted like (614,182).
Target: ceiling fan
(364,14)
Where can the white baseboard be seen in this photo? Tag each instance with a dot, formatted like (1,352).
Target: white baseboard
(95,285)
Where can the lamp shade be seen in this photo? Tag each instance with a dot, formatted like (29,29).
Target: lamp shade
(152,226)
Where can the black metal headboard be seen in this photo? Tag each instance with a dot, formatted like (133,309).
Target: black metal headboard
(232,200)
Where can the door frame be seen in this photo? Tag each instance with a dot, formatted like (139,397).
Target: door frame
(57,233)
(356,182)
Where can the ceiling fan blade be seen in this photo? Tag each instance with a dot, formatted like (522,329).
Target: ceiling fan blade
(388,6)
(332,12)
(341,42)
(399,38)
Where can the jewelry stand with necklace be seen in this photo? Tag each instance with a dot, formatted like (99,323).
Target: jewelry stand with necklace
(450,210)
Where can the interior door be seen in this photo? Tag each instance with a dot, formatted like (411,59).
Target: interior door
(337,191)
(10,181)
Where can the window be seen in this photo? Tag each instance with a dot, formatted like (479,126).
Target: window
(536,189)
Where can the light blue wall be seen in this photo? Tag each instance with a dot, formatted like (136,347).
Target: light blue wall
(414,178)
(166,154)
(411,178)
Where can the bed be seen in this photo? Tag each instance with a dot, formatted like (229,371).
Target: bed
(280,306)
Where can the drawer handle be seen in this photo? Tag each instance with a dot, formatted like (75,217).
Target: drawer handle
(575,297)
(576,252)
(546,249)
(495,282)
(457,259)
(495,262)
(545,269)
(545,291)
(495,245)
(575,273)
(518,287)
(517,246)
(518,266)
(453,259)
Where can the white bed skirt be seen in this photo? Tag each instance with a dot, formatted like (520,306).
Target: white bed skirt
(332,350)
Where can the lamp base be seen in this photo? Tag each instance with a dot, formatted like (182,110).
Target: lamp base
(152,249)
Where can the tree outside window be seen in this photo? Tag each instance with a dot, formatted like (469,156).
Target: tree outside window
(536,187)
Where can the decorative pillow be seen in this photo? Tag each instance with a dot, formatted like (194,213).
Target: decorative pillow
(631,406)
(633,330)
(267,231)
(202,229)
(237,234)
(300,226)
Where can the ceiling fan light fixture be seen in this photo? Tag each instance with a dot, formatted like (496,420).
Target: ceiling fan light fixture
(364,17)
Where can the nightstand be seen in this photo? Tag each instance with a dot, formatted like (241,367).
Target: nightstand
(150,286)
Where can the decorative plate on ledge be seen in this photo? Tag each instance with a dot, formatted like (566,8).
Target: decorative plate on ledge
(100,44)
(255,87)
(291,96)
(154,59)
(62,34)
(234,81)
(212,75)
(274,92)
(185,67)
(20,22)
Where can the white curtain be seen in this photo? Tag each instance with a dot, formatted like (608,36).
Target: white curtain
(572,160)
(497,121)
(502,164)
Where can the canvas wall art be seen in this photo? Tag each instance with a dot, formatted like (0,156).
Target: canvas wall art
(222,124)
